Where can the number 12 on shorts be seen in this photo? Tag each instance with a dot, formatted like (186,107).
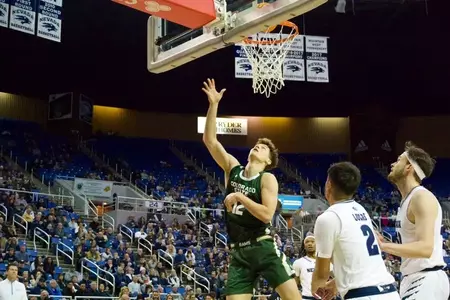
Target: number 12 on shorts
(372,247)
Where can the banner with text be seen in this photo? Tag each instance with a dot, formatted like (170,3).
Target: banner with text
(316,59)
(290,202)
(229,126)
(86,109)
(4,13)
(310,48)
(23,16)
(50,20)
(90,187)
(60,106)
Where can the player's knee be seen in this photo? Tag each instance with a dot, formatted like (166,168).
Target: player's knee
(288,290)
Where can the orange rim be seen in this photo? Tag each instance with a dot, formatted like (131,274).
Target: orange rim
(279,41)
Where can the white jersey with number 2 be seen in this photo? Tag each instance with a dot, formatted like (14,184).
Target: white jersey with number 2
(344,232)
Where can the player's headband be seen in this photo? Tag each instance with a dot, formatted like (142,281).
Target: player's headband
(309,237)
(415,166)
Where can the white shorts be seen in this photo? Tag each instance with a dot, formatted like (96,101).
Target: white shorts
(390,296)
(425,286)
(374,293)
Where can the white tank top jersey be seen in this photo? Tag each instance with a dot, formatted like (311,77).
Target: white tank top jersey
(406,232)
(357,256)
(304,268)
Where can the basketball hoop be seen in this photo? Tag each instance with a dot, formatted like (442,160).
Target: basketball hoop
(266,52)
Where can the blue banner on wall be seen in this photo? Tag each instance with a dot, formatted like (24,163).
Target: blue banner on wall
(50,20)
(291,202)
(4,13)
(23,16)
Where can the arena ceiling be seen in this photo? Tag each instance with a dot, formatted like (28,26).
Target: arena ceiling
(388,55)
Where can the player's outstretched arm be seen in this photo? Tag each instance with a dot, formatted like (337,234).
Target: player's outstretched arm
(218,152)
(424,207)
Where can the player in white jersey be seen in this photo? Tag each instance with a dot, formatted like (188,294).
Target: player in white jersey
(345,236)
(304,267)
(418,223)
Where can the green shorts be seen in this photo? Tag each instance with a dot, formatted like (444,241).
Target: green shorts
(261,258)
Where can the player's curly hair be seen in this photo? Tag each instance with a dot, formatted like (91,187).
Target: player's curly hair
(273,152)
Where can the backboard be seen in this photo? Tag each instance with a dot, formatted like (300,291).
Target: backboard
(170,45)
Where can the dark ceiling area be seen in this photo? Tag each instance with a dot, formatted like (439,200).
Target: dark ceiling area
(389,56)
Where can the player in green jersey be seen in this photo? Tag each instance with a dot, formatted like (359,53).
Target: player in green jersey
(251,201)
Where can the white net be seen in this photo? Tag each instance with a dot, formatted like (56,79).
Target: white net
(267,55)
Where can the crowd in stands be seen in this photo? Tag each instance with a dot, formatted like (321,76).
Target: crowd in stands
(182,256)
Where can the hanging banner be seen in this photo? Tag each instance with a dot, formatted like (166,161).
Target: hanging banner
(294,63)
(50,20)
(90,187)
(86,109)
(4,13)
(60,106)
(295,68)
(242,65)
(317,59)
(23,16)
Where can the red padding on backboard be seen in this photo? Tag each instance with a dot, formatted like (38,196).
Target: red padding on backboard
(190,13)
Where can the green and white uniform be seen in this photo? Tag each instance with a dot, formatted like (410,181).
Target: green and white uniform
(253,251)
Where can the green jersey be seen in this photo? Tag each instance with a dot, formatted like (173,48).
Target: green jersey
(241,224)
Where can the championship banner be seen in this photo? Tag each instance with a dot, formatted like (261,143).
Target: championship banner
(295,68)
(90,187)
(242,65)
(23,16)
(290,202)
(50,20)
(86,109)
(4,13)
(228,126)
(294,63)
(317,59)
(60,106)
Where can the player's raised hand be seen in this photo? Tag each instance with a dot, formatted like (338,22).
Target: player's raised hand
(210,90)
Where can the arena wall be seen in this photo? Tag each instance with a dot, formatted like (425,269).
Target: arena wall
(18,107)
(307,135)
(431,133)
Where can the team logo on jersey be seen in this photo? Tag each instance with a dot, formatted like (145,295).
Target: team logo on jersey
(310,270)
(398,224)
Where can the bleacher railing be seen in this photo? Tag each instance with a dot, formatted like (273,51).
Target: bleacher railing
(157,206)
(296,233)
(200,212)
(107,219)
(37,234)
(99,273)
(377,226)
(191,216)
(281,223)
(146,244)
(205,228)
(64,251)
(194,276)
(165,256)
(21,222)
(220,239)
(126,231)
(58,199)
(4,211)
